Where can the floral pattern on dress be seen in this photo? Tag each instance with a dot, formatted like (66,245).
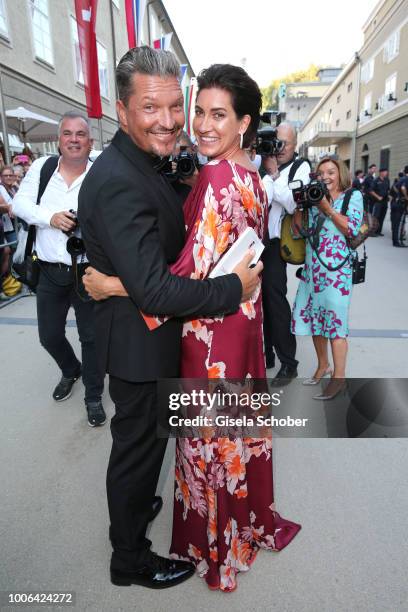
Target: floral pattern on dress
(323,298)
(224,508)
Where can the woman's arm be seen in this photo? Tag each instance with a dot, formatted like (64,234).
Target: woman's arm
(339,220)
(101,286)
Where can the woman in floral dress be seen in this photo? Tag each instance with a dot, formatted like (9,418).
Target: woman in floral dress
(224,507)
(322,302)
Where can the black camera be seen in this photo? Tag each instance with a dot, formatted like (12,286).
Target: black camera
(267,142)
(186,164)
(75,245)
(72,231)
(309,195)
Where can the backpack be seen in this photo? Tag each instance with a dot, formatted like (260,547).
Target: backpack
(25,262)
(368,226)
(293,250)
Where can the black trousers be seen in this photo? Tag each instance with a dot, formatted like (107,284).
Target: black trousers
(380,211)
(133,471)
(277,312)
(397,210)
(55,295)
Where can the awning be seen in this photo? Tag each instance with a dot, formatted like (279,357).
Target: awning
(324,139)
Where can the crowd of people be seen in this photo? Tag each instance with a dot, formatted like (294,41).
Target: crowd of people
(147,247)
(379,192)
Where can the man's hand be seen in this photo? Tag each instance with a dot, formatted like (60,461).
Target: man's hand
(100,286)
(270,164)
(249,277)
(64,221)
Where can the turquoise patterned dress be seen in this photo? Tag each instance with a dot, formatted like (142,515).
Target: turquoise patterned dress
(322,301)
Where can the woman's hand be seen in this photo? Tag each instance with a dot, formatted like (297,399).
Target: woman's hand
(101,286)
(325,207)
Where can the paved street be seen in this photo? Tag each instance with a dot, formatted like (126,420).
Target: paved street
(349,495)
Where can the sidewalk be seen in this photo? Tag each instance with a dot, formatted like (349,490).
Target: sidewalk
(349,495)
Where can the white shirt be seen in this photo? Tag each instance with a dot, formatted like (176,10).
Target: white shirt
(280,197)
(7,222)
(50,243)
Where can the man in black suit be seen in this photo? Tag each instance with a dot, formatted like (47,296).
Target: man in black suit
(133,226)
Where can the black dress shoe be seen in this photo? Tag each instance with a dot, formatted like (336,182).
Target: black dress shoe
(284,376)
(64,388)
(157,505)
(96,414)
(157,573)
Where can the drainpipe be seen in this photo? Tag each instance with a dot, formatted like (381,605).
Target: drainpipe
(354,138)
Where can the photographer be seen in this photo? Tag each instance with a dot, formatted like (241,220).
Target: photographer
(280,170)
(323,298)
(184,167)
(57,288)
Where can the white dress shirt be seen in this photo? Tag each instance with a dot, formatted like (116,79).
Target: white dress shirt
(7,222)
(280,198)
(50,243)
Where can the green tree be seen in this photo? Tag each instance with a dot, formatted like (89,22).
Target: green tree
(270,93)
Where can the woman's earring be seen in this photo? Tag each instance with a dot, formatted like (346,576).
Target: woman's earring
(241,140)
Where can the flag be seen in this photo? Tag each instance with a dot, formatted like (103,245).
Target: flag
(85,13)
(135,10)
(183,72)
(163,42)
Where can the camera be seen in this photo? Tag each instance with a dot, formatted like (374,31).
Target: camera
(267,142)
(186,165)
(309,195)
(75,245)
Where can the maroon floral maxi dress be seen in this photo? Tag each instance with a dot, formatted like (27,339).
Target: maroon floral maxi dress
(224,508)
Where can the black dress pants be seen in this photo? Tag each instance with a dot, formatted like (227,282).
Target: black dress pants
(380,211)
(133,471)
(55,295)
(397,210)
(277,312)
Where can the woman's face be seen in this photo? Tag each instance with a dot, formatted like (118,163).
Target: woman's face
(329,174)
(216,126)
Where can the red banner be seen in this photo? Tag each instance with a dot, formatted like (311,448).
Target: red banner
(85,12)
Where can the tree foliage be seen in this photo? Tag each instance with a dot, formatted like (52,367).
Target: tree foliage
(270,93)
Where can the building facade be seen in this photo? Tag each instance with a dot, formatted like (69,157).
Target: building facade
(40,64)
(363,117)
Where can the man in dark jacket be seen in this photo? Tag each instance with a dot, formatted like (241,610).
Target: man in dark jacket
(381,190)
(133,226)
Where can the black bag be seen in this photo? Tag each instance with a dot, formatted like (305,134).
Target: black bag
(358,265)
(28,271)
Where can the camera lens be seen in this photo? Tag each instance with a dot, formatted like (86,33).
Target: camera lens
(185,166)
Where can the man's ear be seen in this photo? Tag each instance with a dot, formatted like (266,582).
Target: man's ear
(122,114)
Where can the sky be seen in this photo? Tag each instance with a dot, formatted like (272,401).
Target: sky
(275,38)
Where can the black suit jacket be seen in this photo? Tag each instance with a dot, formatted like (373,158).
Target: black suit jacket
(133,227)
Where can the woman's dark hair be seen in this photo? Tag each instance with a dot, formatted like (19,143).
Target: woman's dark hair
(245,94)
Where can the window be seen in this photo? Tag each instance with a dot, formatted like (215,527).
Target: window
(79,75)
(3,20)
(116,3)
(380,103)
(103,70)
(391,86)
(41,30)
(338,99)
(349,87)
(385,158)
(391,47)
(348,115)
(337,122)
(366,110)
(367,71)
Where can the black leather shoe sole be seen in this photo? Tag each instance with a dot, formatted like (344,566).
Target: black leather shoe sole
(127,579)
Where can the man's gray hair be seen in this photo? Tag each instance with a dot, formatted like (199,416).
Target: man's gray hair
(144,60)
(73,114)
(291,127)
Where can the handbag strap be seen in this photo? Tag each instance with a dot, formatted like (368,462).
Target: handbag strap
(46,173)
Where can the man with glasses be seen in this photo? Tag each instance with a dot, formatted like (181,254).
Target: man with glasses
(277,312)
(57,288)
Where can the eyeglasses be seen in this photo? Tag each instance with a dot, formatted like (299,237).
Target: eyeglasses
(7,175)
